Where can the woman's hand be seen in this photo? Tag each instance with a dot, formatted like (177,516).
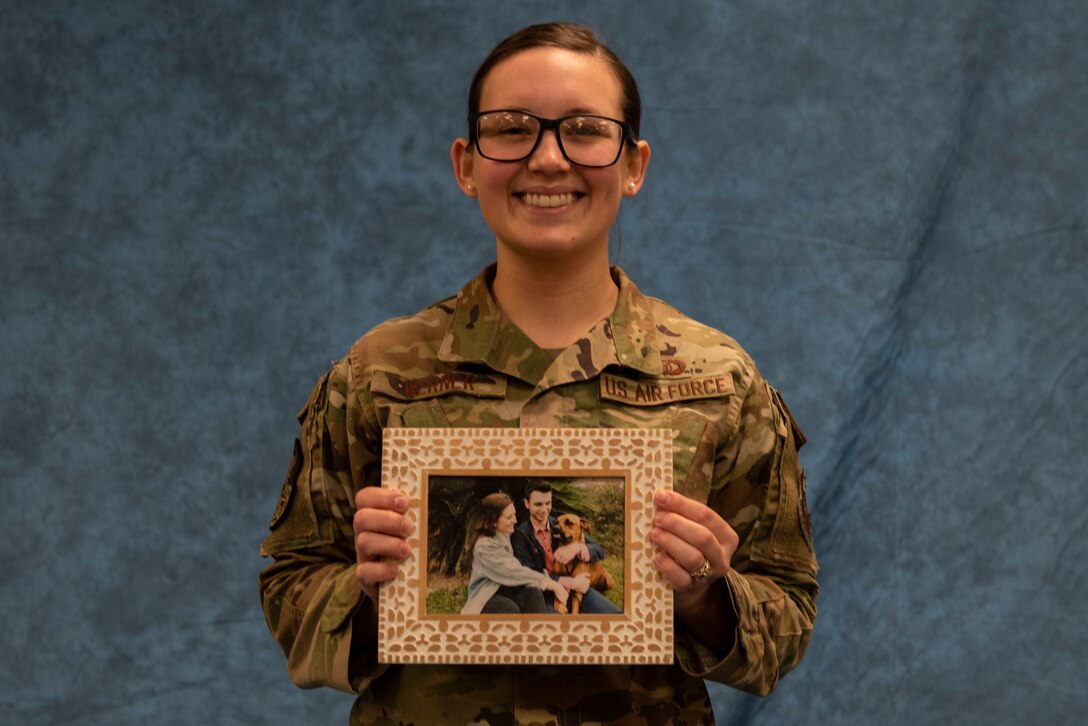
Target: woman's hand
(695,547)
(381,530)
(689,535)
(561,592)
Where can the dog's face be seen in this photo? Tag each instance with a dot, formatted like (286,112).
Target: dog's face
(572,527)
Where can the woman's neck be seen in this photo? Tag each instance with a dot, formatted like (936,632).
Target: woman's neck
(554,303)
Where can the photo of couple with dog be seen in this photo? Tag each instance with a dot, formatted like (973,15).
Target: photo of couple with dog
(545,564)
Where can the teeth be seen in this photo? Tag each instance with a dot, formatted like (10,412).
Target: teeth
(548,200)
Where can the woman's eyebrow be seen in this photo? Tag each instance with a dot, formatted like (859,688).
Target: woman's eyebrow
(575,111)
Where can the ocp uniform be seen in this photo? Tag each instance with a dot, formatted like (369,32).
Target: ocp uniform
(461,363)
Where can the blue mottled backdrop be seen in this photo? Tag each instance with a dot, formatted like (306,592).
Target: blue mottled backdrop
(203,203)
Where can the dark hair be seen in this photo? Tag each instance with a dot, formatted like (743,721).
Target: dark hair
(536,485)
(569,36)
(487,519)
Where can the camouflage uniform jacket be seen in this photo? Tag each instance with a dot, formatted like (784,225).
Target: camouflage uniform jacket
(461,363)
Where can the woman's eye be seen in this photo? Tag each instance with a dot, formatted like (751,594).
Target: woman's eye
(515,130)
(507,126)
(586,128)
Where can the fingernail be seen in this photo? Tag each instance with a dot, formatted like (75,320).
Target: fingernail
(400,503)
(661,498)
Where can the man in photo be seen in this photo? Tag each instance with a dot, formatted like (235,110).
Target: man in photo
(538,544)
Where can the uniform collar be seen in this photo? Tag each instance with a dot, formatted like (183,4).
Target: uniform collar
(479,333)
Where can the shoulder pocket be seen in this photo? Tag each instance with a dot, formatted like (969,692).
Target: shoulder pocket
(784,534)
(784,412)
(293,523)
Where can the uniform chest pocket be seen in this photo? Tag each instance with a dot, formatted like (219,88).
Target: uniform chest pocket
(694,442)
(427,401)
(421,415)
(688,406)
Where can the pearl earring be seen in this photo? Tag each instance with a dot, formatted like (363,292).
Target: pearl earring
(631,185)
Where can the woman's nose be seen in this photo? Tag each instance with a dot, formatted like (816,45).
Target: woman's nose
(548,155)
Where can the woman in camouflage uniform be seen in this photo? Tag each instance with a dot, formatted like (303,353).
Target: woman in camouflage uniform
(550,336)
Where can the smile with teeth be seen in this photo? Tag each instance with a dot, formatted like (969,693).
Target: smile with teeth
(548,200)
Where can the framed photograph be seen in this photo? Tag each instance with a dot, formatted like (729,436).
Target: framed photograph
(530,546)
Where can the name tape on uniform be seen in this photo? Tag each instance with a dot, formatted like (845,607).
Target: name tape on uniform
(658,392)
(415,388)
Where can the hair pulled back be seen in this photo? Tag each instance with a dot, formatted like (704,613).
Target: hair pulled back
(568,36)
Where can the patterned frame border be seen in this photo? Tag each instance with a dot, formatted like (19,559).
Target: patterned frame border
(642,634)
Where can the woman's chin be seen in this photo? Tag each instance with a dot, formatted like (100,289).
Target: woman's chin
(552,246)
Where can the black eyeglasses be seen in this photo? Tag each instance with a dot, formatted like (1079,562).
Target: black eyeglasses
(585,140)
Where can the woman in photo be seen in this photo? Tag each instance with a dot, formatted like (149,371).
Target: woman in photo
(499,583)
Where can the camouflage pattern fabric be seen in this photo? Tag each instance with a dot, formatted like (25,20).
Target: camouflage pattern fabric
(461,363)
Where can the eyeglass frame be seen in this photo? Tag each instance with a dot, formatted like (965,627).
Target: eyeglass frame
(551,124)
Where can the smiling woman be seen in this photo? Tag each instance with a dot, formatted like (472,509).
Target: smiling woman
(550,336)
(550,215)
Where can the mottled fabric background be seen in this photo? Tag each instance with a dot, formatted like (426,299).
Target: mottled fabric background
(203,203)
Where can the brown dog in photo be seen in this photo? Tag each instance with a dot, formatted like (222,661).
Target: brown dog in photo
(573,528)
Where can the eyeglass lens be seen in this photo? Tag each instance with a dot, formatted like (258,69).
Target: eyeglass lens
(586,140)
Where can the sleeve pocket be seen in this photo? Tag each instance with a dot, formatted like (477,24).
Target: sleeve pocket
(293,522)
(784,537)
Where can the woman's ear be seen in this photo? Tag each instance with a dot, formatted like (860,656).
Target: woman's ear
(637,160)
(463,165)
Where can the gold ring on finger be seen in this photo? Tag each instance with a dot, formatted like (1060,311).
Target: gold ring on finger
(702,573)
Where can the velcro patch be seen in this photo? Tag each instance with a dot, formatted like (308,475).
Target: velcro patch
(409,388)
(656,392)
(288,489)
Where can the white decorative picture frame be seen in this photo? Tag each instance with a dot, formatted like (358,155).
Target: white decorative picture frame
(639,461)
